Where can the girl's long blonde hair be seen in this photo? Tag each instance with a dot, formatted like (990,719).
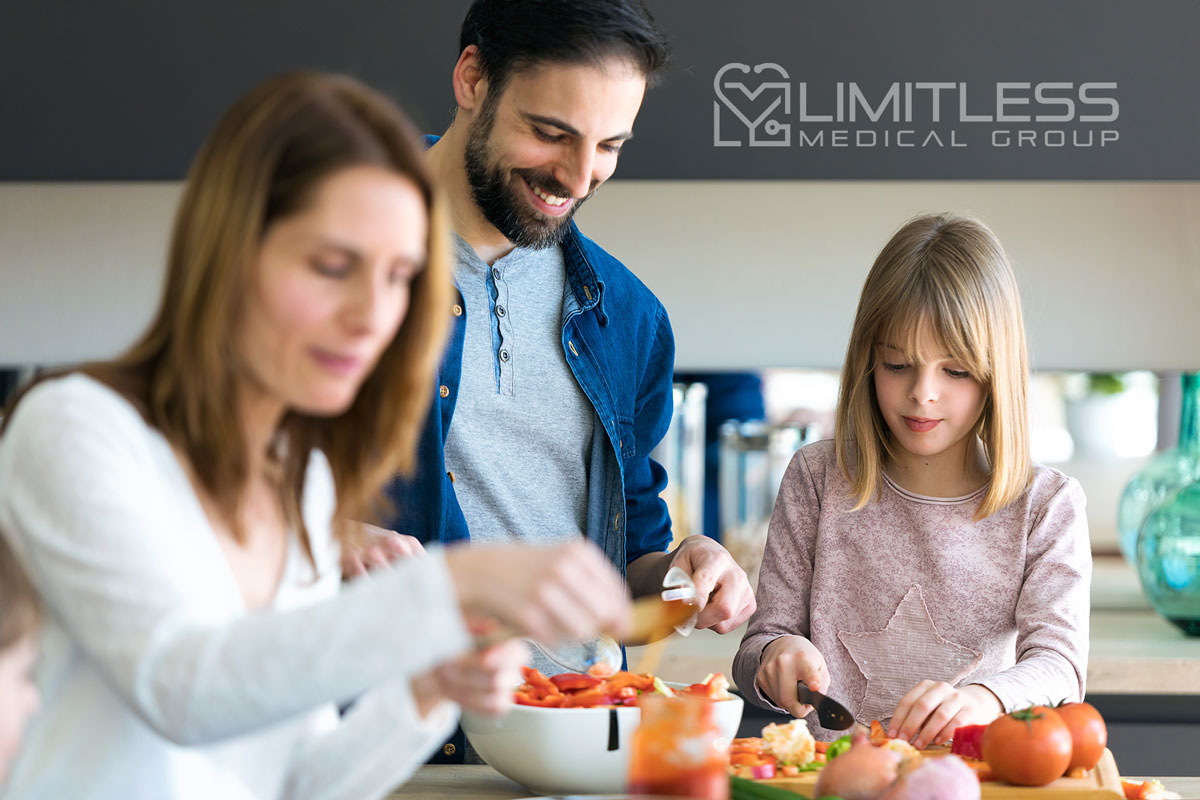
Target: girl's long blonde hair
(263,162)
(947,271)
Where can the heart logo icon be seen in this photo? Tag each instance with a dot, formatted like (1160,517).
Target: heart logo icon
(771,97)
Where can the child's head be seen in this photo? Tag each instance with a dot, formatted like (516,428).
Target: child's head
(20,617)
(942,293)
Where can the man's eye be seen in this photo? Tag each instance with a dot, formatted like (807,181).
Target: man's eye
(547,137)
(614,149)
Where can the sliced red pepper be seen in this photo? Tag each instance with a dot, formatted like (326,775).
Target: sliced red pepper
(547,701)
(588,699)
(570,681)
(642,682)
(537,680)
(878,734)
(968,741)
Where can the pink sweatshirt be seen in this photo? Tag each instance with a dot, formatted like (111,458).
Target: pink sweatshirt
(909,588)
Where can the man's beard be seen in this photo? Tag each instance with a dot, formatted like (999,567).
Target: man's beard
(500,193)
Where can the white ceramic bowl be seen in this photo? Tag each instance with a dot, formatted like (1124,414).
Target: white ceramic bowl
(565,750)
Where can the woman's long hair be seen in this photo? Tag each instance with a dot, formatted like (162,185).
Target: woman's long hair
(263,162)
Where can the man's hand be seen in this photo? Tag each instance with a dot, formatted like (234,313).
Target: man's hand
(931,711)
(379,548)
(722,589)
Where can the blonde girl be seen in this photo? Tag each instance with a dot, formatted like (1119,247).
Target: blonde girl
(918,566)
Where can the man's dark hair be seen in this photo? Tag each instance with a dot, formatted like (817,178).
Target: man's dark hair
(517,34)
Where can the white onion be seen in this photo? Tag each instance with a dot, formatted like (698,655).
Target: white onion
(944,778)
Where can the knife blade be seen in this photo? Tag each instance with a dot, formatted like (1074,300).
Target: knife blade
(831,714)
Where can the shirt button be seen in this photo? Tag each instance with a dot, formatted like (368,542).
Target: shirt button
(450,475)
(496,273)
(500,312)
(504,355)
(457,310)
(448,748)
(444,391)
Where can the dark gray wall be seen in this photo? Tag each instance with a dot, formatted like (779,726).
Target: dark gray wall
(126,89)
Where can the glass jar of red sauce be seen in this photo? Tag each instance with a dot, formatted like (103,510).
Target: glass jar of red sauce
(677,750)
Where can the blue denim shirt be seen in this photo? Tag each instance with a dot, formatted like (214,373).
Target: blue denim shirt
(618,343)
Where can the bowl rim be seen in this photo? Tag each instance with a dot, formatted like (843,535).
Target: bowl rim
(523,709)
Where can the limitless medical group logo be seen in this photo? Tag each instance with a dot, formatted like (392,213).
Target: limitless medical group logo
(761,106)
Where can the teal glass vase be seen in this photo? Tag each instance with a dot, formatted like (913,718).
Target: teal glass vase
(1165,474)
(1168,559)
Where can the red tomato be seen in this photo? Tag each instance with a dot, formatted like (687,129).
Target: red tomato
(1089,734)
(1029,748)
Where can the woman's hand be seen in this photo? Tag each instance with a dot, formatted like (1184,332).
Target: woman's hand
(482,680)
(379,548)
(786,661)
(931,711)
(549,594)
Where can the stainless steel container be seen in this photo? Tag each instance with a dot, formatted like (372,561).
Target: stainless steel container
(753,458)
(681,453)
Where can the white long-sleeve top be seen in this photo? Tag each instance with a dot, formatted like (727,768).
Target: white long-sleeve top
(156,681)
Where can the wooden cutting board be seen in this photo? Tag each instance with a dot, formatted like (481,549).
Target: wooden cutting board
(1102,783)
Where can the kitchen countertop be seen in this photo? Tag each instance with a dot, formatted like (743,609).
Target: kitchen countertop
(438,781)
(1133,650)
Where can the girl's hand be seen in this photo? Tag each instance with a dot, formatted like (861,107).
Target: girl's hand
(549,594)
(785,661)
(380,547)
(931,711)
(483,680)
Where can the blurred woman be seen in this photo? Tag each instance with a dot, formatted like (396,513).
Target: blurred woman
(20,619)
(182,508)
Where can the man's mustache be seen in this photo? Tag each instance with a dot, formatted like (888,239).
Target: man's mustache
(547,184)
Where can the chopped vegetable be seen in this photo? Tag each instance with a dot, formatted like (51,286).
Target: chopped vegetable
(968,741)
(714,687)
(837,747)
(1146,790)
(759,765)
(790,743)
(569,681)
(576,690)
